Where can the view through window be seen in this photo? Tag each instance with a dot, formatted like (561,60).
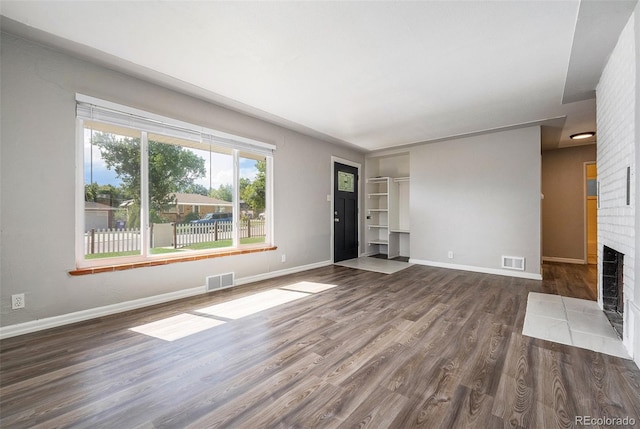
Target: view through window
(149,193)
(111,191)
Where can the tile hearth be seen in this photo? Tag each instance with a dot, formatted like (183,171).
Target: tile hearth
(571,321)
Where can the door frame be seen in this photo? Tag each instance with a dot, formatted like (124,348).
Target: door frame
(331,197)
(585,204)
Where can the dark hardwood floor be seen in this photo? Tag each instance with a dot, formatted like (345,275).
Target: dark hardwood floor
(572,280)
(425,347)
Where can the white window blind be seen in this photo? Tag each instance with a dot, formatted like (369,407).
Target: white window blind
(94,109)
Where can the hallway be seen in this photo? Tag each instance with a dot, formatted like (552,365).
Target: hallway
(570,280)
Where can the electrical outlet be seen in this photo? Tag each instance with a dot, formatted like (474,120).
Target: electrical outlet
(450,254)
(17,301)
(284,258)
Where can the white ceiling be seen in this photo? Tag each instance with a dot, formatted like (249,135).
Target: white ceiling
(371,74)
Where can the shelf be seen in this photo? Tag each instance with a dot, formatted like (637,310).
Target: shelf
(379,193)
(377,179)
(388,190)
(385,242)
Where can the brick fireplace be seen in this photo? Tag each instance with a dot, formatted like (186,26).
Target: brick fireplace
(613,287)
(618,98)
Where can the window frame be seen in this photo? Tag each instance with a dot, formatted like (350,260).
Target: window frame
(97,110)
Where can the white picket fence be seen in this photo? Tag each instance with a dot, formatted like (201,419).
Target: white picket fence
(252,228)
(186,234)
(113,240)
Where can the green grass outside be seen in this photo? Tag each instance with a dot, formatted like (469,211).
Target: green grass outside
(209,245)
(162,250)
(154,251)
(252,240)
(223,243)
(111,254)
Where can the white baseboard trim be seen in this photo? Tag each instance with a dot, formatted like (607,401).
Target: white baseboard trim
(107,310)
(279,273)
(500,272)
(563,260)
(92,313)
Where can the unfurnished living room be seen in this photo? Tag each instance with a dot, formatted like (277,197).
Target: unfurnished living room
(319,214)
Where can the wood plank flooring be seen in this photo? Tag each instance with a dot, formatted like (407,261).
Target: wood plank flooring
(572,280)
(422,348)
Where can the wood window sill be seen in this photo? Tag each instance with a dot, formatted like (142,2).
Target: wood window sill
(167,261)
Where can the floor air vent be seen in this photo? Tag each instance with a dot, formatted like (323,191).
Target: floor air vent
(220,281)
(513,262)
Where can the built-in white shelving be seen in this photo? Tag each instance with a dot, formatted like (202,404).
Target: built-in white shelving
(380,242)
(387,213)
(398,214)
(378,212)
(387,203)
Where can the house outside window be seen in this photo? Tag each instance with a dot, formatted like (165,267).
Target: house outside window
(153,187)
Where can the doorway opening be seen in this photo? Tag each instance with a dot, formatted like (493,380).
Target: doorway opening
(591,212)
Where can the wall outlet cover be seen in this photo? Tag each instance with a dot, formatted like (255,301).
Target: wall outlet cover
(17,301)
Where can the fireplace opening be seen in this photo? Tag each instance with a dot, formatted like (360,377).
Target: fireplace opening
(612,287)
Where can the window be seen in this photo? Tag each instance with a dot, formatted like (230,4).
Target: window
(252,185)
(111,194)
(153,186)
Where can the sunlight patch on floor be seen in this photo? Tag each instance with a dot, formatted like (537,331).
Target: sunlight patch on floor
(176,327)
(309,287)
(252,304)
(183,325)
(260,301)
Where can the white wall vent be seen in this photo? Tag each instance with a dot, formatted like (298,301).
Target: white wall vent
(513,262)
(219,281)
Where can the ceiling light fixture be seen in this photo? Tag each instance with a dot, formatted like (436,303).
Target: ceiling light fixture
(582,135)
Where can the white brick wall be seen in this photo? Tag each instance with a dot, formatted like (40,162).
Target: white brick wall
(616,103)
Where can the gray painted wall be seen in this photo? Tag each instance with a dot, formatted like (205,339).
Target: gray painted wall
(478,197)
(563,207)
(38,186)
